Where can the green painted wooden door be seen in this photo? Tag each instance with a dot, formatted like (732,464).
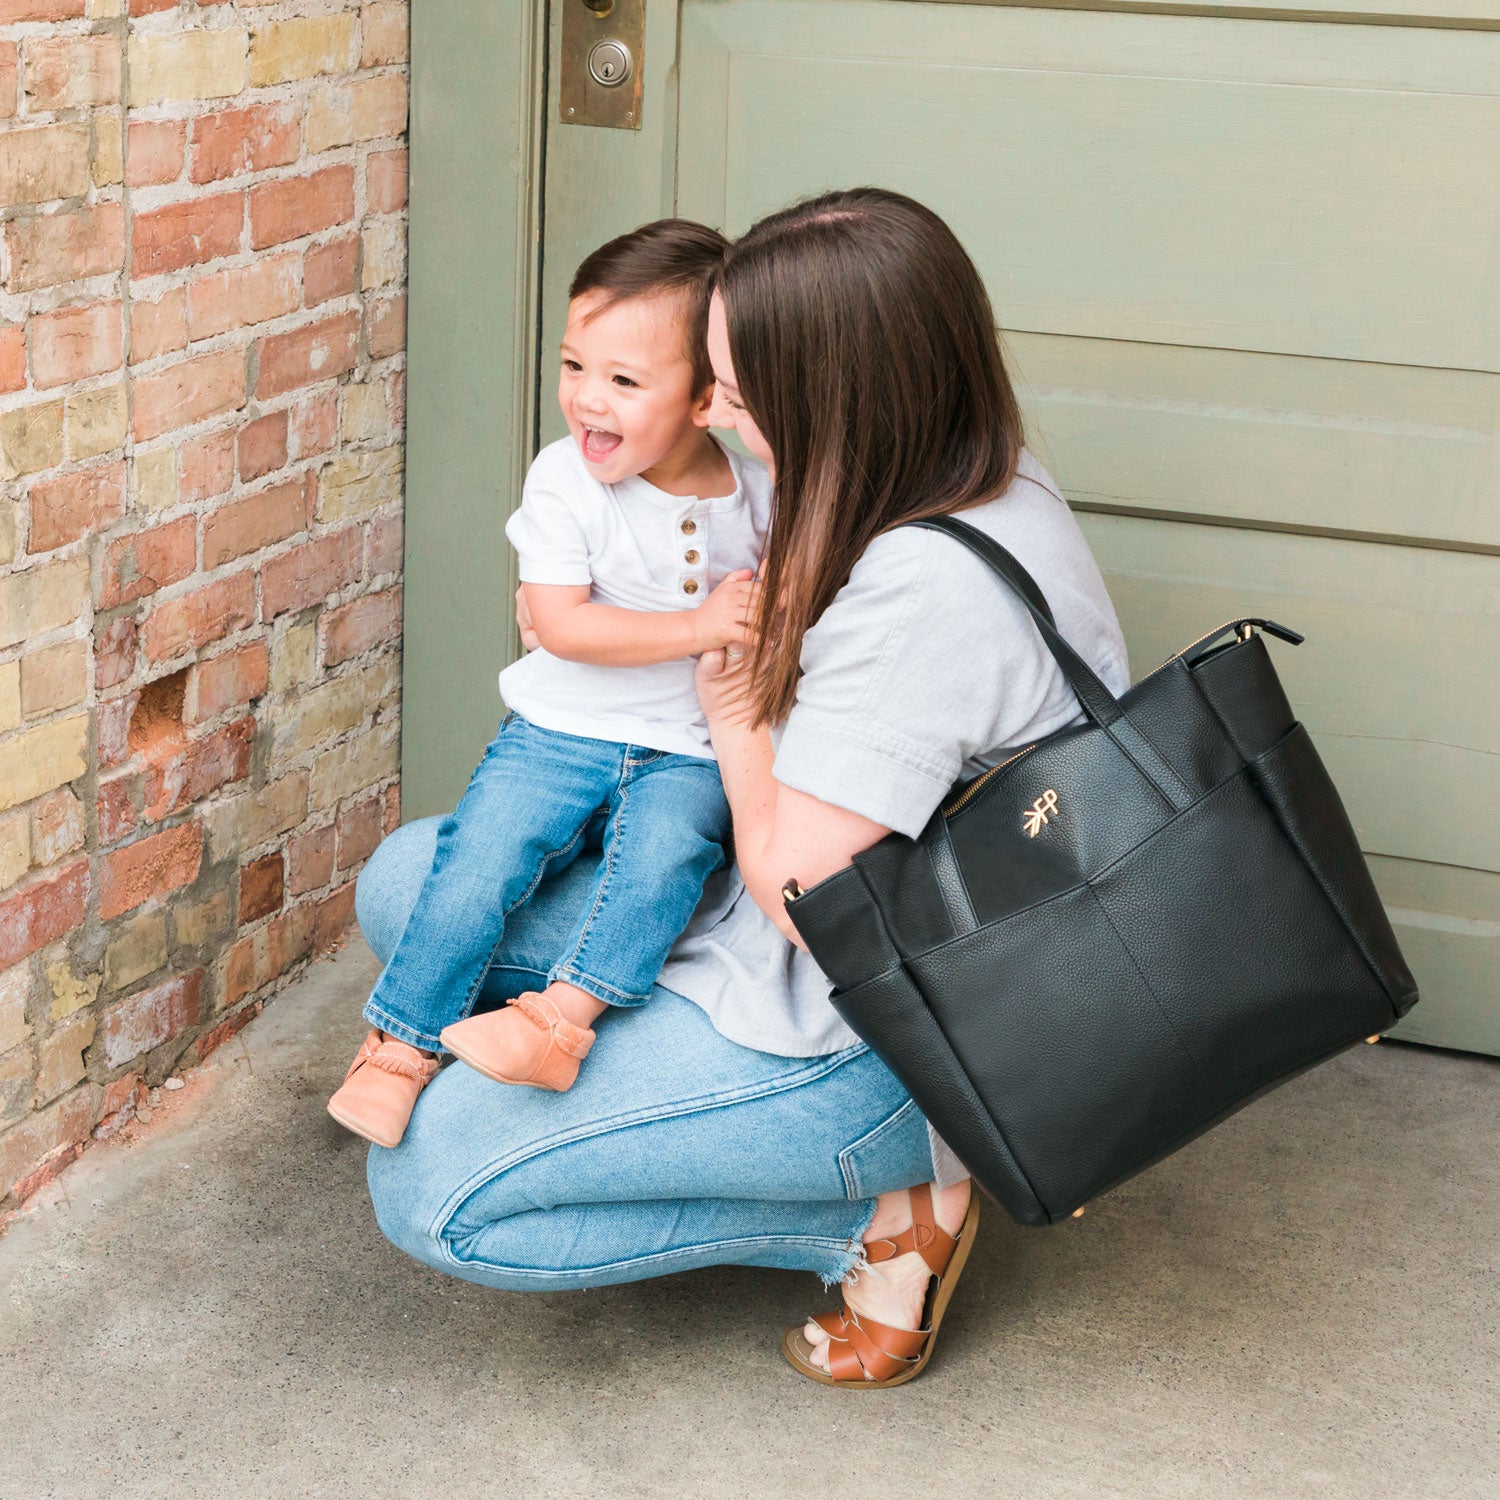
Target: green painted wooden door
(1248,267)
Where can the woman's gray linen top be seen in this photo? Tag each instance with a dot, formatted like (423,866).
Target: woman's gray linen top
(924,667)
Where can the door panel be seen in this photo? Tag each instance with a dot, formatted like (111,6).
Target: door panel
(1248,271)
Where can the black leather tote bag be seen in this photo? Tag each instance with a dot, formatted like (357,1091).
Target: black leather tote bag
(1122,934)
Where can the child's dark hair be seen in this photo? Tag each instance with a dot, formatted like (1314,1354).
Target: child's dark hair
(669,256)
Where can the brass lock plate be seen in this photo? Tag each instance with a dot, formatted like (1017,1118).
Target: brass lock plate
(603,59)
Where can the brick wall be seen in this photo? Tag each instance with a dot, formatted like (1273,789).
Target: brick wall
(202,322)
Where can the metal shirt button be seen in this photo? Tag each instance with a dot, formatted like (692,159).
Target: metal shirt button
(689,527)
(691,586)
(690,557)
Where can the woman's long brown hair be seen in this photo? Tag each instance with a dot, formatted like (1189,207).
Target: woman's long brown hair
(865,348)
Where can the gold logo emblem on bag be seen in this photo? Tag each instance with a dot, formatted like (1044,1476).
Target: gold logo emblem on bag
(1040,813)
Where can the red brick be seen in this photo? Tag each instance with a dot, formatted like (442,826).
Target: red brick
(121,1100)
(75,505)
(358,832)
(292,207)
(309,860)
(331,270)
(229,1027)
(242,296)
(206,467)
(113,720)
(74,344)
(188,391)
(256,521)
(9,63)
(335,911)
(12,358)
(387,327)
(315,424)
(261,888)
(261,446)
(245,140)
(154,152)
(144,561)
(186,234)
(68,72)
(385,546)
(311,573)
(228,681)
(152,866)
(43,911)
(206,614)
(194,768)
(393,807)
(35,1151)
(320,351)
(145,1021)
(150,7)
(114,652)
(353,628)
(385,181)
(119,808)
(54,248)
(159,327)
(40,10)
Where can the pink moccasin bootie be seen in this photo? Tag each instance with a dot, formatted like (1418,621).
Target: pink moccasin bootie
(380,1089)
(529,1041)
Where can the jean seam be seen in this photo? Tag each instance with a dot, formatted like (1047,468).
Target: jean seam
(847,1168)
(569,974)
(818,1241)
(700,1104)
(601,887)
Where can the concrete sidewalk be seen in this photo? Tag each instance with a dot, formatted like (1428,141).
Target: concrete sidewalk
(1304,1303)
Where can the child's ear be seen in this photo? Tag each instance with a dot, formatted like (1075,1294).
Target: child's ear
(703,406)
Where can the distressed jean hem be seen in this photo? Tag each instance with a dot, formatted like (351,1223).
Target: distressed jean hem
(852,1255)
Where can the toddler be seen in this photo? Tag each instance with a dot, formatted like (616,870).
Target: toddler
(638,536)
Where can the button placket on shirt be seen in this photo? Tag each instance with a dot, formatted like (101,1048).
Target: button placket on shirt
(691,540)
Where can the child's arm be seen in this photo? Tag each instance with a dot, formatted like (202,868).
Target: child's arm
(569,626)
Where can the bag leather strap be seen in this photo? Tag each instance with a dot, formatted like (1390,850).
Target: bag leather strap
(1094,698)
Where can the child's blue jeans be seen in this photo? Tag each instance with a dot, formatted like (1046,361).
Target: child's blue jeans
(536,800)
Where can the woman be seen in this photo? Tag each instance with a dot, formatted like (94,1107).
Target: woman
(736,1120)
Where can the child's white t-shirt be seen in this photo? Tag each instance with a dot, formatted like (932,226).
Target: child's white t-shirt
(638,548)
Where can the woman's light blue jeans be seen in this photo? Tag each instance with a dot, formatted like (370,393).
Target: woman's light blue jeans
(676,1148)
(530,804)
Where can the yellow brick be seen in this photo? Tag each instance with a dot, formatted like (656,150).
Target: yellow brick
(69,992)
(42,598)
(39,165)
(365,414)
(385,253)
(196,925)
(31,439)
(155,479)
(354,765)
(15,850)
(7,534)
(364,110)
(138,948)
(60,1058)
(95,422)
(103,10)
(362,481)
(335,708)
(109,155)
(383,30)
(15,1086)
(172,65)
(294,659)
(10,696)
(237,826)
(302,48)
(42,758)
(54,677)
(15,986)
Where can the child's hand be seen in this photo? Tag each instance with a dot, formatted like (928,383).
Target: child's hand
(726,617)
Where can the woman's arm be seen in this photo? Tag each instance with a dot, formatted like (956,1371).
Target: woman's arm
(568,625)
(780,834)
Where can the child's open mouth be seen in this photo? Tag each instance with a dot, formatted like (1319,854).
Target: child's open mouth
(598,444)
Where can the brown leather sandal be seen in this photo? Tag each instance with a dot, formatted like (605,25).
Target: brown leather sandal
(864,1355)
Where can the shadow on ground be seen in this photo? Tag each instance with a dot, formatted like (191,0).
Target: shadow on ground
(1303,1303)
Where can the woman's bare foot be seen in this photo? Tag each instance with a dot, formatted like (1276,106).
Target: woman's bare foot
(894,1292)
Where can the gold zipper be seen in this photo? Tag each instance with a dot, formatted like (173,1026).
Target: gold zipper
(980,780)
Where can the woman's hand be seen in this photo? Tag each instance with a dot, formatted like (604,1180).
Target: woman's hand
(723,685)
(529,638)
(725,617)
